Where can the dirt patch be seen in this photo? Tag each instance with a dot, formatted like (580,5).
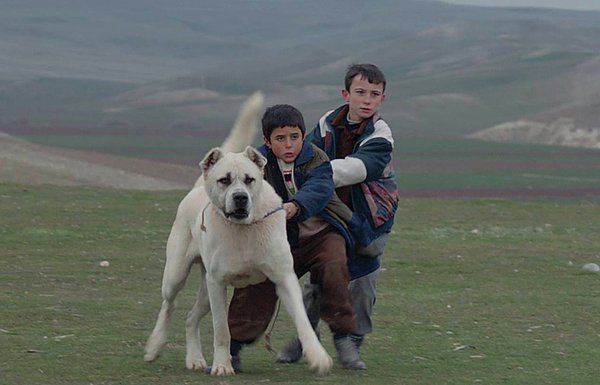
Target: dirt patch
(28,163)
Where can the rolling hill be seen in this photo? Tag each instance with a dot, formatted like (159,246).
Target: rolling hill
(452,70)
(162,81)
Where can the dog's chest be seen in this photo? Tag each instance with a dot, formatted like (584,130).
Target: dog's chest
(237,268)
(240,255)
(240,258)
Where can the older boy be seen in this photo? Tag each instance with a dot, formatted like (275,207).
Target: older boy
(360,145)
(318,232)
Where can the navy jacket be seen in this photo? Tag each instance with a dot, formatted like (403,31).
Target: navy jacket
(316,196)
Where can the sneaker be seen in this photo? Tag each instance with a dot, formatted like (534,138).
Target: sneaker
(291,352)
(348,353)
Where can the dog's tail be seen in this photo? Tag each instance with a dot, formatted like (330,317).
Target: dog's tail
(245,128)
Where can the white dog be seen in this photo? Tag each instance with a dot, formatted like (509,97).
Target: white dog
(232,225)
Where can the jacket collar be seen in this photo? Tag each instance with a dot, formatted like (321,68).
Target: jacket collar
(338,117)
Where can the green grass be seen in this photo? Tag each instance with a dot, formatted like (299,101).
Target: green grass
(463,164)
(471,292)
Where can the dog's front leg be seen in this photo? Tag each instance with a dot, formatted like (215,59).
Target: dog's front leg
(289,291)
(217,295)
(194,359)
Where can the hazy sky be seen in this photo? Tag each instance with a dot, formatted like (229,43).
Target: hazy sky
(566,4)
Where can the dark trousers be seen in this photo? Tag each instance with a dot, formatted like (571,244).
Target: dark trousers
(324,256)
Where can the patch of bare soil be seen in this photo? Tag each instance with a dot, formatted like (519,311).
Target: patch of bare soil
(560,132)
(28,163)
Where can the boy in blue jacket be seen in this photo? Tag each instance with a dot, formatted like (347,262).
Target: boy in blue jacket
(319,228)
(360,145)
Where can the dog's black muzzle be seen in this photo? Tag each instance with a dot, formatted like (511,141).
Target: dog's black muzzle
(240,206)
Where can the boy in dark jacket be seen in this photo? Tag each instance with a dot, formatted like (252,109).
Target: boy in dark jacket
(318,232)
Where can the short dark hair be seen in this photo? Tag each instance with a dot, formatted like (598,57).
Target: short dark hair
(368,71)
(281,115)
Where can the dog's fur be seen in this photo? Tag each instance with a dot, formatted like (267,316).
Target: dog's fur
(231,224)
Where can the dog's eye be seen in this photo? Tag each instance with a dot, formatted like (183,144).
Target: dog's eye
(225,180)
(248,180)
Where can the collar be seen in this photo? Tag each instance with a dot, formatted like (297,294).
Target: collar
(338,120)
(268,214)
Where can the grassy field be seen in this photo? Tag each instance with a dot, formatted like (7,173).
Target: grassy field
(471,292)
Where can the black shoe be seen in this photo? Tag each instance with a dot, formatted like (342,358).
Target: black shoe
(236,362)
(292,352)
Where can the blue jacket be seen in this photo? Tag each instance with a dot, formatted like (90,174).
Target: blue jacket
(316,196)
(367,169)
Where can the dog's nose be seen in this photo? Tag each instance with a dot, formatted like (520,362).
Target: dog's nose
(240,199)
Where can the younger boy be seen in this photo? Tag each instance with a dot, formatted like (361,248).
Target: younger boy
(318,233)
(360,145)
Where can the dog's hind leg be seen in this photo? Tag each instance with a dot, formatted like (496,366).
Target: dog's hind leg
(194,359)
(176,270)
(288,289)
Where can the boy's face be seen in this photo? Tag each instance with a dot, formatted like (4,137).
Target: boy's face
(363,98)
(285,142)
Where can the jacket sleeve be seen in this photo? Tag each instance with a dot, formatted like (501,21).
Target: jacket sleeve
(317,189)
(368,162)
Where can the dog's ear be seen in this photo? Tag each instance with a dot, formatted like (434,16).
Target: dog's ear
(210,159)
(256,157)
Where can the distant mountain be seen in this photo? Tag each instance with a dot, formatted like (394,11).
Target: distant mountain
(185,66)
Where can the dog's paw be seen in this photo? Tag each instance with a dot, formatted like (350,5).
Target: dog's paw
(150,357)
(195,363)
(154,346)
(222,370)
(152,352)
(318,360)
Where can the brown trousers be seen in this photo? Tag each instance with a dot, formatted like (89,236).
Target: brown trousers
(324,256)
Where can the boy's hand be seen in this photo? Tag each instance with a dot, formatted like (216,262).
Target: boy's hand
(291,209)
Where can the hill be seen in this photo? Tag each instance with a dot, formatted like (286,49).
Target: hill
(452,70)
(146,87)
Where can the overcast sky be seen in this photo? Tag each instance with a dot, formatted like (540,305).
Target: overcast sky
(565,4)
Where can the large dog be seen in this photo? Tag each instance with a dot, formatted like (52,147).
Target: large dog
(232,225)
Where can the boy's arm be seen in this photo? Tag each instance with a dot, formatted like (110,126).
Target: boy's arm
(366,164)
(316,191)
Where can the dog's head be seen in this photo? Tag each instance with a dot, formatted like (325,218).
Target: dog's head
(233,181)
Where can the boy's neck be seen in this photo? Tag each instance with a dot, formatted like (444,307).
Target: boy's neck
(352,121)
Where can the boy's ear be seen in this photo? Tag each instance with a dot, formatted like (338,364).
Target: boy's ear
(267,141)
(345,94)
